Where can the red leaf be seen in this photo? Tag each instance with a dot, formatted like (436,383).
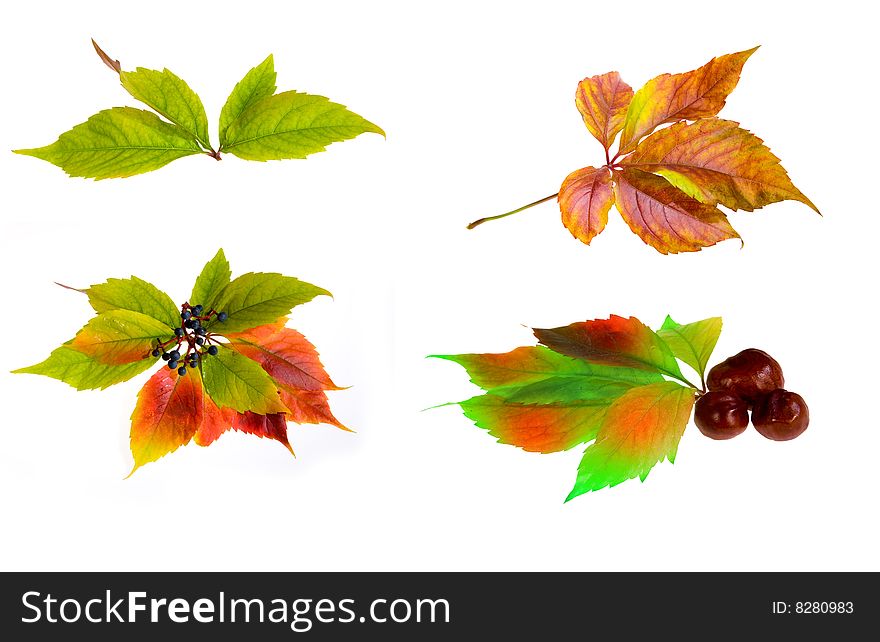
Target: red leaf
(666,218)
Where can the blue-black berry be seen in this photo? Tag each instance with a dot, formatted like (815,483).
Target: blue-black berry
(201,330)
(186,315)
(195,323)
(222,316)
(165,356)
(200,341)
(156,352)
(213,350)
(198,310)
(172,365)
(178,332)
(181,370)
(175,355)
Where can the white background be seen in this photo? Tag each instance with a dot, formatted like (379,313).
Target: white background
(477,100)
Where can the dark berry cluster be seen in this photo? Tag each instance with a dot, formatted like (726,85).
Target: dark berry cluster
(199,341)
(751,380)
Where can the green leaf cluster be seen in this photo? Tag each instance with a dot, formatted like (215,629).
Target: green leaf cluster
(255,124)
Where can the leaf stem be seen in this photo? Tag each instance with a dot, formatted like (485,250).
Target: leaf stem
(107,60)
(512,212)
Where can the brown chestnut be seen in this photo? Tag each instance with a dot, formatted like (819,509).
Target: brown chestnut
(721,415)
(749,375)
(781,415)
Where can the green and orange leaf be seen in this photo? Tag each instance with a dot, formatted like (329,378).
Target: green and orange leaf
(168,413)
(688,96)
(640,429)
(605,381)
(118,337)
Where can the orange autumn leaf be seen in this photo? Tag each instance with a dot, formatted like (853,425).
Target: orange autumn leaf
(668,185)
(716,161)
(688,96)
(309,407)
(603,101)
(167,415)
(585,199)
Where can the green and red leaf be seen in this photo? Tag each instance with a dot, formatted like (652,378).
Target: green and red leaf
(118,337)
(615,341)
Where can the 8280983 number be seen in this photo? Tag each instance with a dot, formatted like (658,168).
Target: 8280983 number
(823,607)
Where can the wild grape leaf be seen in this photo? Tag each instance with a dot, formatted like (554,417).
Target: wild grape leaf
(603,101)
(616,341)
(217,365)
(602,381)
(666,218)
(136,295)
(257,84)
(585,198)
(234,381)
(255,124)
(688,96)
(171,97)
(210,283)
(292,125)
(641,428)
(118,337)
(82,371)
(693,343)
(667,184)
(167,415)
(115,143)
(258,298)
(715,161)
